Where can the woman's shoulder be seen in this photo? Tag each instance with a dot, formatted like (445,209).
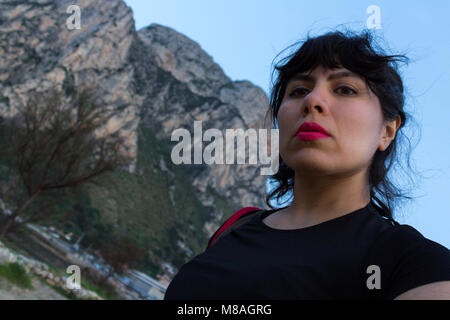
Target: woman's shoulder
(238,218)
(404,236)
(407,259)
(404,240)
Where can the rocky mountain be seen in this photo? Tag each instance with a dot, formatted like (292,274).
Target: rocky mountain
(160,80)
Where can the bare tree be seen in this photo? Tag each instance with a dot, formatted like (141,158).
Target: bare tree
(121,254)
(56,142)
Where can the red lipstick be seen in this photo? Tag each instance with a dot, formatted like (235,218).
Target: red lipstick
(309,131)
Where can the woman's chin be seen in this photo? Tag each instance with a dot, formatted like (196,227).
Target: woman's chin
(311,162)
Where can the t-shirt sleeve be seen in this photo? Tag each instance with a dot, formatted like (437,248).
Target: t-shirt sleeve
(407,260)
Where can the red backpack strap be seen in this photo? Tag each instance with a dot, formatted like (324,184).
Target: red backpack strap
(235,217)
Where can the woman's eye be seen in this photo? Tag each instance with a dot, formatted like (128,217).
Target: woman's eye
(346,90)
(299,91)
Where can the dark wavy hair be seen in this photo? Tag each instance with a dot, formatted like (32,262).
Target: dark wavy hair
(359,54)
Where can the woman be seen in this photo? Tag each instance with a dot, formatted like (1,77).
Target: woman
(338,105)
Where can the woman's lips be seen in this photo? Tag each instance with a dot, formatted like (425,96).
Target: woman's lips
(311,135)
(309,131)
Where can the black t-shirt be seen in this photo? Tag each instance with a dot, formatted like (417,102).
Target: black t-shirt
(329,260)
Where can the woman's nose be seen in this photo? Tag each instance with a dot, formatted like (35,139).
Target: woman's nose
(315,102)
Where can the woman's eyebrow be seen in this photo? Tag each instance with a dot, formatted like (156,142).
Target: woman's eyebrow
(336,75)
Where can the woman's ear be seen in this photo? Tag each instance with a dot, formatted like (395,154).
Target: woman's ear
(389,130)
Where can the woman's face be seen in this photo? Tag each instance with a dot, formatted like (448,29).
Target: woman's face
(340,102)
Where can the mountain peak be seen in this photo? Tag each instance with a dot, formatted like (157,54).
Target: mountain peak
(184,59)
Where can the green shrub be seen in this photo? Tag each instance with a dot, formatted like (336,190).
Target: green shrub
(16,274)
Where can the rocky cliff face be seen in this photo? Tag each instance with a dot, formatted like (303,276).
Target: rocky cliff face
(156,77)
(198,89)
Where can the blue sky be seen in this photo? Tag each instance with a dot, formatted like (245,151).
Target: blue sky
(244,37)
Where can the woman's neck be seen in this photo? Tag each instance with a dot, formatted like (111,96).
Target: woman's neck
(321,198)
